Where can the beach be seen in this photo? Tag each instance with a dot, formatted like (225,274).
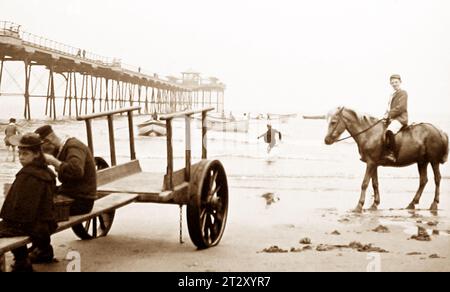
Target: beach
(312,188)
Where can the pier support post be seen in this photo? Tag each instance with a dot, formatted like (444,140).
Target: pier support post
(65,93)
(27,109)
(146,99)
(51,99)
(86,91)
(83,86)
(139,97)
(106,94)
(75,93)
(94,92)
(101,95)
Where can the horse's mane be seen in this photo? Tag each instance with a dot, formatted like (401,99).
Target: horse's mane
(367,118)
(363,117)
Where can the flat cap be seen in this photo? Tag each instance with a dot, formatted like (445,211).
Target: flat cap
(396,76)
(44,131)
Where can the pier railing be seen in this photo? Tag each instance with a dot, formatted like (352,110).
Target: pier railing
(11,29)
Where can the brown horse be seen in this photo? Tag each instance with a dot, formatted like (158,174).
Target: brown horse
(423,144)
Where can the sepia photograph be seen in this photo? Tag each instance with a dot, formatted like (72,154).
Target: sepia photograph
(205,138)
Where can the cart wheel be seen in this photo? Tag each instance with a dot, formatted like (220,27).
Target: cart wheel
(101,163)
(98,226)
(208,207)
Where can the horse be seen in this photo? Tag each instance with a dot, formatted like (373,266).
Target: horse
(423,144)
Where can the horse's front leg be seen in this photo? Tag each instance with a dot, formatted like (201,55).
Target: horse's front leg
(376,190)
(369,173)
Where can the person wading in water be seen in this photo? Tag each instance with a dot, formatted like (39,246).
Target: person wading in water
(270,137)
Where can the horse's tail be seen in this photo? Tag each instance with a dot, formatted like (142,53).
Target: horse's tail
(445,145)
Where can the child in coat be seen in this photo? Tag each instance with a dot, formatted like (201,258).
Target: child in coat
(28,208)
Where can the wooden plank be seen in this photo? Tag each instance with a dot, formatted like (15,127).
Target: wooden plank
(179,196)
(7,244)
(169,185)
(103,205)
(131,134)
(109,175)
(109,113)
(112,144)
(204,137)
(139,183)
(183,114)
(178,177)
(89,136)
(188,148)
(2,263)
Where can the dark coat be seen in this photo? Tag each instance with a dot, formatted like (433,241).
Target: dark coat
(270,136)
(30,197)
(77,172)
(399,107)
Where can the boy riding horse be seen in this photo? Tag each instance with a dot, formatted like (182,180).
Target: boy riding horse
(396,117)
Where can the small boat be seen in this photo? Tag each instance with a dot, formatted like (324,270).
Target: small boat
(152,128)
(315,117)
(284,118)
(225,125)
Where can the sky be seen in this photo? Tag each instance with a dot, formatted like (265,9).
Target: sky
(287,56)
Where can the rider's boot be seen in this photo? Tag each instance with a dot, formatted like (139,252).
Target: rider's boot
(389,146)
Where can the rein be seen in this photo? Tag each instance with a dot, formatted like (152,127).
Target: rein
(351,135)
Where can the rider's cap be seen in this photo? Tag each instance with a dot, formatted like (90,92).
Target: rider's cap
(396,76)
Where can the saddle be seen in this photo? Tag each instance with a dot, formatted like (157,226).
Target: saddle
(406,129)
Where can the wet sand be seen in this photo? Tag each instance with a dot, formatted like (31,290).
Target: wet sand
(144,237)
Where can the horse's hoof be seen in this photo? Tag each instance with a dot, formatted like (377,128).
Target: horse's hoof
(357,210)
(411,207)
(434,207)
(373,208)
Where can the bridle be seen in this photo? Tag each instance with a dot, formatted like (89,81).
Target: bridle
(341,118)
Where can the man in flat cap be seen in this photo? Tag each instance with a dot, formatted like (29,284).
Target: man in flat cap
(75,166)
(396,116)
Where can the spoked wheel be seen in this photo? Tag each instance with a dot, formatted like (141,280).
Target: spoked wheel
(208,208)
(98,226)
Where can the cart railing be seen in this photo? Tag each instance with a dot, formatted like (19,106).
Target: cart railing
(168,118)
(187,115)
(110,118)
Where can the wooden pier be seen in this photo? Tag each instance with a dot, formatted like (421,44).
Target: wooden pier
(95,84)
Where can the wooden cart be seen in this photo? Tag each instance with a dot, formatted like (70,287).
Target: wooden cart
(202,186)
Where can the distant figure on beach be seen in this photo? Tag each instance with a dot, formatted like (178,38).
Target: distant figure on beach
(270,137)
(11,130)
(76,168)
(84,54)
(79,53)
